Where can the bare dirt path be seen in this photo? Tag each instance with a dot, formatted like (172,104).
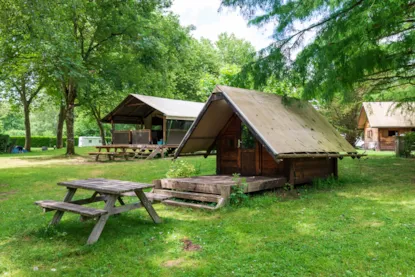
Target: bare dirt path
(34,161)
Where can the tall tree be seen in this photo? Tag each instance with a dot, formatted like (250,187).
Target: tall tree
(22,88)
(74,36)
(341,45)
(21,76)
(233,50)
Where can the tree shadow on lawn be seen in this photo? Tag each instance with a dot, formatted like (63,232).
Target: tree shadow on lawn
(130,240)
(298,237)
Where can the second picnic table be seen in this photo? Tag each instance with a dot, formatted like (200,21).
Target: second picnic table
(105,190)
(125,150)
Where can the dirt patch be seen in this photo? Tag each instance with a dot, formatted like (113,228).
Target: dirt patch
(17,162)
(7,193)
(288,194)
(96,173)
(173,263)
(3,195)
(188,245)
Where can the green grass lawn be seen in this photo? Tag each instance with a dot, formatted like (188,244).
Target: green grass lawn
(361,225)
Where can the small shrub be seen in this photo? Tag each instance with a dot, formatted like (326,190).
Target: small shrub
(238,195)
(409,142)
(4,143)
(181,168)
(288,187)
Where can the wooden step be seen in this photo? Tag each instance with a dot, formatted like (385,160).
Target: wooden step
(152,197)
(69,207)
(187,205)
(188,184)
(202,197)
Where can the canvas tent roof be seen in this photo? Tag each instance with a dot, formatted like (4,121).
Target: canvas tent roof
(387,114)
(137,106)
(295,127)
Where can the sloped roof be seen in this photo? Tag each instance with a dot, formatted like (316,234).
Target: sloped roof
(387,114)
(136,106)
(295,127)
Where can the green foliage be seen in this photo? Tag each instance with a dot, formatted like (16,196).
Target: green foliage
(409,144)
(238,195)
(4,143)
(42,141)
(37,141)
(340,46)
(234,51)
(181,168)
(326,183)
(343,115)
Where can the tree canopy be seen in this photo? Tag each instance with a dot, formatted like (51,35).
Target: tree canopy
(324,47)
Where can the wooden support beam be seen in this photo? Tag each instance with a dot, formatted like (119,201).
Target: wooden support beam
(318,155)
(136,104)
(164,129)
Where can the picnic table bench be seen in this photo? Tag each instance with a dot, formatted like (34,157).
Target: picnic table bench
(127,150)
(105,190)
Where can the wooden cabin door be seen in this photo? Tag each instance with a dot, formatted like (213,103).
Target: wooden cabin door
(228,151)
(247,152)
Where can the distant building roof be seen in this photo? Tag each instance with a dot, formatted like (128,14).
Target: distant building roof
(295,127)
(387,114)
(140,106)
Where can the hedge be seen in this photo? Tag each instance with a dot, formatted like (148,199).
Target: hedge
(42,141)
(4,142)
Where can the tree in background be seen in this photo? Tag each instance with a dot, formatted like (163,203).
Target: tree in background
(343,115)
(342,45)
(230,55)
(76,36)
(21,86)
(21,74)
(233,50)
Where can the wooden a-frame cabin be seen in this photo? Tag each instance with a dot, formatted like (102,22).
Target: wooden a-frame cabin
(259,136)
(155,120)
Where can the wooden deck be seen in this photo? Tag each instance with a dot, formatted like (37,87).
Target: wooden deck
(211,189)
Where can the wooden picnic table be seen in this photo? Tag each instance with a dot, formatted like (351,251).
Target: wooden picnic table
(105,190)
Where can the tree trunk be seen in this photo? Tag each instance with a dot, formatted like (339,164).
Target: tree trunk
(28,137)
(70,97)
(101,131)
(59,129)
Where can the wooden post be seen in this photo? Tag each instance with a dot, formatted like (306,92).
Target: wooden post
(58,215)
(225,192)
(147,205)
(289,170)
(157,184)
(112,131)
(258,150)
(335,168)
(164,129)
(218,156)
(99,226)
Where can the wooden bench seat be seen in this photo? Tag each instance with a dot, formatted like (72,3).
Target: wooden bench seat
(152,197)
(109,153)
(69,207)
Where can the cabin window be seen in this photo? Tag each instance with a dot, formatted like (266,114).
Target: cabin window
(90,141)
(392,133)
(369,134)
(179,124)
(247,139)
